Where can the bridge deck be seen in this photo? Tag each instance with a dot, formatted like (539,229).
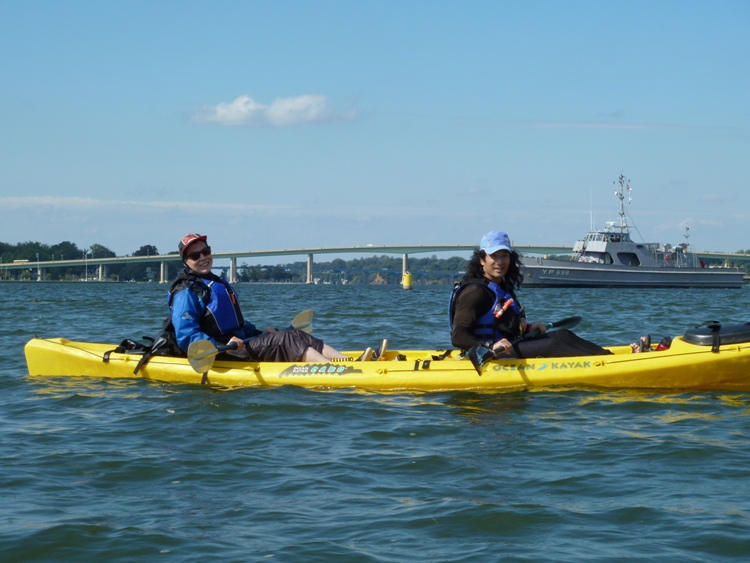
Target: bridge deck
(405,250)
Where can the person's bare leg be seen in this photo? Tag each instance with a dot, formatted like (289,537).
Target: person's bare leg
(332,354)
(312,355)
(329,353)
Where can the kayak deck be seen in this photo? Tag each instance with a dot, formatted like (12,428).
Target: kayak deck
(683,366)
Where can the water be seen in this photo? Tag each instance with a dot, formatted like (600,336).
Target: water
(134,470)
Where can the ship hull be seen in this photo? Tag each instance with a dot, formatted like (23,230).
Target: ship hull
(542,272)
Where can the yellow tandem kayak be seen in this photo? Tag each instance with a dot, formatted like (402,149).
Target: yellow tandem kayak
(699,360)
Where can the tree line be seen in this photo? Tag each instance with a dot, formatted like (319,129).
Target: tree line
(66,250)
(356,271)
(372,269)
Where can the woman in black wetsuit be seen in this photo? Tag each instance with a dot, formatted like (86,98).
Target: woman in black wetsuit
(485,311)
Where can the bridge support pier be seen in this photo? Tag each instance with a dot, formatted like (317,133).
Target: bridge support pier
(233,269)
(309,268)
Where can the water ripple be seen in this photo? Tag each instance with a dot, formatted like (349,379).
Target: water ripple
(130,470)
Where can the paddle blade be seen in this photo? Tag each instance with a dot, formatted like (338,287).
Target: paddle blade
(303,321)
(201,355)
(478,355)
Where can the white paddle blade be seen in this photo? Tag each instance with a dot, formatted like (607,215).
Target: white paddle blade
(201,354)
(303,321)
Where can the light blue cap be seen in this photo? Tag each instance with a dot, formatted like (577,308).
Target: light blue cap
(494,241)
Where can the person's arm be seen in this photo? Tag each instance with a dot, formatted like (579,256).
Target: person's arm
(187,309)
(472,302)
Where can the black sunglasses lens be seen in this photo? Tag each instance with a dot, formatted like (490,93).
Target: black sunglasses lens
(195,255)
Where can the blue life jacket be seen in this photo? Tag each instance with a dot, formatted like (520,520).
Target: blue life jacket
(511,322)
(221,315)
(222,310)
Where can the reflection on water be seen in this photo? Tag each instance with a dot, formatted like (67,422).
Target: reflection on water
(487,407)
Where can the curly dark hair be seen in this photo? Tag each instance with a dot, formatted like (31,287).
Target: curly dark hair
(476,271)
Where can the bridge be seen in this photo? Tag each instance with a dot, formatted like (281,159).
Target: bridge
(174,259)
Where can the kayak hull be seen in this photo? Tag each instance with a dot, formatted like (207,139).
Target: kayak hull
(684,366)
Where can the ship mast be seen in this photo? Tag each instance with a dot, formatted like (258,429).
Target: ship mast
(620,193)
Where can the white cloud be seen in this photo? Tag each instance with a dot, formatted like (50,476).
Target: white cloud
(89,205)
(565,125)
(718,197)
(282,112)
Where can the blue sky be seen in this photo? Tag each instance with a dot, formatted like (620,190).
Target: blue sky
(287,124)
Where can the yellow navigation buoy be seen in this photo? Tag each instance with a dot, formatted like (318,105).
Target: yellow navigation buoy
(406,281)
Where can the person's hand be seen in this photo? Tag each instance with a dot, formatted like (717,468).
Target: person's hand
(240,343)
(538,327)
(503,346)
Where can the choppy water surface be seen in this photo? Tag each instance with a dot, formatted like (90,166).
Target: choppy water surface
(129,470)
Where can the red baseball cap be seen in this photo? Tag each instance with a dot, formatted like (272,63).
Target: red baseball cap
(189,239)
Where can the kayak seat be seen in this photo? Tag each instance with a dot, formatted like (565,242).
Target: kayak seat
(727,334)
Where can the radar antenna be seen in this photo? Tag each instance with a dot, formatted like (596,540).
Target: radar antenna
(620,193)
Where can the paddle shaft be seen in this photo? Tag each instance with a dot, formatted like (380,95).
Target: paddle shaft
(303,321)
(224,348)
(570,322)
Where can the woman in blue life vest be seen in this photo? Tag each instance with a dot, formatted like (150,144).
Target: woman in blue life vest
(205,307)
(485,310)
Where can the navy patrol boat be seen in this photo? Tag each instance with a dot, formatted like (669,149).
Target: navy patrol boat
(611,258)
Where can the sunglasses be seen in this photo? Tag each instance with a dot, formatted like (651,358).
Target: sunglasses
(195,255)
